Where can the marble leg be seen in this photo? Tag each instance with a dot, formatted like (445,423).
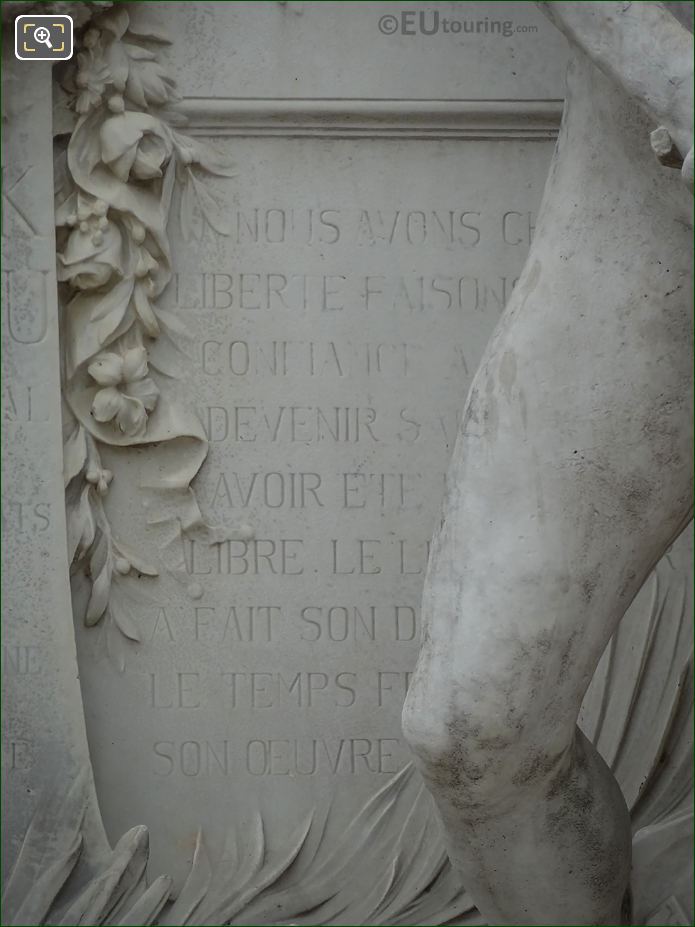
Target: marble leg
(570,477)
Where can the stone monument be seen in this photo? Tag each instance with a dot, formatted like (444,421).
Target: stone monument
(582,456)
(253,256)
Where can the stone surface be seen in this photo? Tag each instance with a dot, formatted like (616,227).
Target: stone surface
(281,305)
(660,83)
(332,333)
(577,434)
(43,733)
(80,11)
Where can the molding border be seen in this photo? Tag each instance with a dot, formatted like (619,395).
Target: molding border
(345,117)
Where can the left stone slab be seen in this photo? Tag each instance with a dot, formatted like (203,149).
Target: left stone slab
(44,746)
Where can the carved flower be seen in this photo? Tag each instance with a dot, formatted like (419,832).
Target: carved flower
(99,477)
(92,73)
(134,144)
(93,252)
(127,393)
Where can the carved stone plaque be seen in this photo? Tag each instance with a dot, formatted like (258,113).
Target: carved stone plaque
(333,333)
(270,318)
(328,305)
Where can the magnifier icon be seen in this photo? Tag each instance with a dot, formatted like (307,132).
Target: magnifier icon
(42,35)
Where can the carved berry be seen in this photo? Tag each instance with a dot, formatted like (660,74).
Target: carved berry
(116,104)
(138,233)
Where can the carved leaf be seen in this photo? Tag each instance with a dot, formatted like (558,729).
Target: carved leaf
(45,889)
(193,152)
(74,454)
(104,893)
(194,890)
(213,162)
(148,83)
(116,62)
(173,118)
(81,524)
(234,889)
(121,615)
(99,598)
(189,213)
(395,846)
(166,355)
(444,901)
(48,854)
(86,338)
(172,322)
(642,730)
(115,21)
(148,906)
(145,312)
(212,211)
(137,52)
(101,569)
(168,186)
(415,866)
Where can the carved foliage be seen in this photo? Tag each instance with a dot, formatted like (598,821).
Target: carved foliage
(116,183)
(389,867)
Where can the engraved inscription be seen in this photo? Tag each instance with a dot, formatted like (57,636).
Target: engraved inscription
(21,660)
(332,337)
(279,757)
(23,404)
(24,298)
(17,755)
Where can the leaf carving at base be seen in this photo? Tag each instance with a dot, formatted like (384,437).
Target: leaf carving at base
(390,866)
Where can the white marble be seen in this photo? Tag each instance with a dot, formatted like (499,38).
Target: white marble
(571,476)
(270,317)
(44,743)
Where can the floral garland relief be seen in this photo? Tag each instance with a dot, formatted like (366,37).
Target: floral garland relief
(115,189)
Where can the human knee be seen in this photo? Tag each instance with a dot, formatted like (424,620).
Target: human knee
(425,720)
(484,748)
